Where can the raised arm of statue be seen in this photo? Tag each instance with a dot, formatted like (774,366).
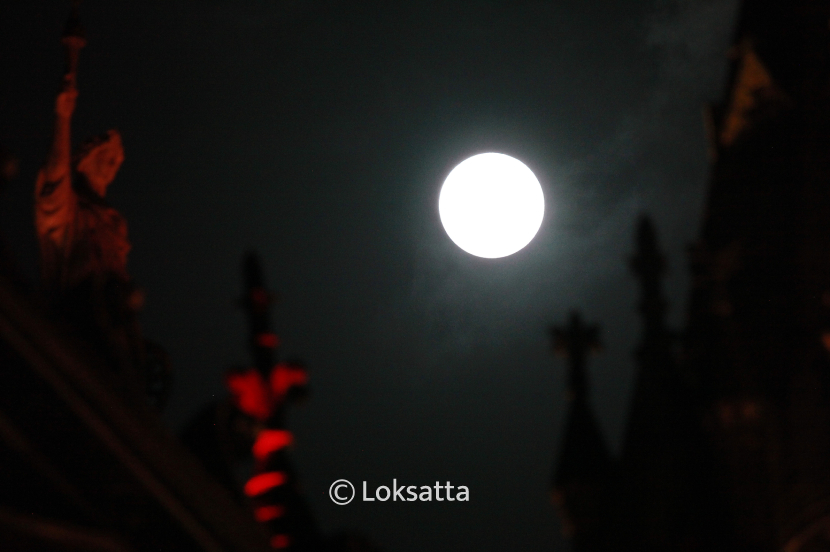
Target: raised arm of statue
(55,199)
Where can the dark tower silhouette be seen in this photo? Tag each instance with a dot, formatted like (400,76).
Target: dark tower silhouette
(658,496)
(583,477)
(263,393)
(665,495)
(728,446)
(650,447)
(251,425)
(758,311)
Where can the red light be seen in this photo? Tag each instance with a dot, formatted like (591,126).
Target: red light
(270,440)
(285,376)
(268,339)
(280,541)
(267,513)
(251,395)
(263,483)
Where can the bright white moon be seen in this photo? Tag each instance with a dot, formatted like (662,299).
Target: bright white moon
(491,205)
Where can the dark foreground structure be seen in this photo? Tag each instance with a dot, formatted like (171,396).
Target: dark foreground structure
(86,464)
(728,442)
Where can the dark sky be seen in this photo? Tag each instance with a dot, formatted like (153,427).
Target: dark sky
(319,133)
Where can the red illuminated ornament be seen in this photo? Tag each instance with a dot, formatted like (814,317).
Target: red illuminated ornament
(261,392)
(284,376)
(267,513)
(251,395)
(269,441)
(280,541)
(264,482)
(268,339)
(258,399)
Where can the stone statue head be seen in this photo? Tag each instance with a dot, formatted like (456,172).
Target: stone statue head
(99,159)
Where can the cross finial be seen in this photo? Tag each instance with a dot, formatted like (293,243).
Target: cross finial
(575,342)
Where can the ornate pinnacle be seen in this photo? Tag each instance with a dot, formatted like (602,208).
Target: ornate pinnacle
(73,39)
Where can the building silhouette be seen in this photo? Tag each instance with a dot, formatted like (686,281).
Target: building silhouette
(86,463)
(728,438)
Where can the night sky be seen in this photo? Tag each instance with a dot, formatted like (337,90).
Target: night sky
(318,133)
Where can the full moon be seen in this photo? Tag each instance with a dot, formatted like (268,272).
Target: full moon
(491,205)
